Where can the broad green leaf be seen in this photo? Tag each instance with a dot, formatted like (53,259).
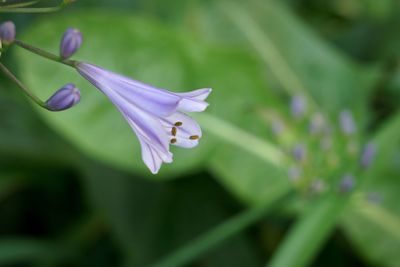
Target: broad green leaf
(375,227)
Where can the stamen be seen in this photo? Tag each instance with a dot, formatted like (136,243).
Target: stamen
(178,123)
(194,137)
(173,131)
(173,141)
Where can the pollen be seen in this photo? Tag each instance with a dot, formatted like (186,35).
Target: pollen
(173,131)
(173,141)
(178,123)
(194,137)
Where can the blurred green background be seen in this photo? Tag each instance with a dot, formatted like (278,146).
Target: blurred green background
(75,192)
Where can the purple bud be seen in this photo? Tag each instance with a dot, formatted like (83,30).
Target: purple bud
(70,43)
(346,122)
(294,173)
(318,186)
(326,143)
(298,106)
(374,197)
(64,98)
(299,152)
(317,123)
(347,183)
(277,127)
(368,155)
(7,32)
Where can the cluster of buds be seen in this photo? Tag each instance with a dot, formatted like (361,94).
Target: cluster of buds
(321,150)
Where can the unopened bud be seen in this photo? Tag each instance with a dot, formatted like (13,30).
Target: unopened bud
(294,173)
(346,122)
(368,155)
(70,43)
(65,98)
(347,183)
(7,32)
(298,106)
(317,123)
(299,152)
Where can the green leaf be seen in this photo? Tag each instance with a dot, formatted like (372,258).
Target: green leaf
(13,251)
(375,228)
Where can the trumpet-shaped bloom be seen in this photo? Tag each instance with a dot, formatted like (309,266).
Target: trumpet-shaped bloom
(157,116)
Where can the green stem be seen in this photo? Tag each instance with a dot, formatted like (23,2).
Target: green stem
(22,9)
(216,236)
(45,54)
(11,6)
(25,89)
(309,233)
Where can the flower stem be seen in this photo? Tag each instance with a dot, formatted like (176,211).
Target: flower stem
(22,8)
(45,54)
(221,233)
(25,89)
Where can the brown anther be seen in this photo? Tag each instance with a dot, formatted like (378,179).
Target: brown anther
(194,137)
(173,131)
(173,141)
(178,123)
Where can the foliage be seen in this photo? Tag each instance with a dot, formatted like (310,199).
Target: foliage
(73,188)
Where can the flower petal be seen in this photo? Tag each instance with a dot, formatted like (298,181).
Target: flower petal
(194,101)
(146,126)
(151,157)
(187,134)
(156,101)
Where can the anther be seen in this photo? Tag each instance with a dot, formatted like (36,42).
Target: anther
(173,131)
(194,137)
(178,123)
(173,141)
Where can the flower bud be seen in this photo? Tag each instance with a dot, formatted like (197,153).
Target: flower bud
(346,122)
(318,186)
(64,98)
(347,183)
(299,152)
(374,198)
(7,32)
(368,155)
(294,173)
(70,42)
(298,106)
(317,123)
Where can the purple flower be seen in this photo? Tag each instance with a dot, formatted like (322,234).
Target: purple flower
(7,32)
(70,42)
(299,152)
(346,122)
(66,97)
(155,115)
(368,155)
(298,106)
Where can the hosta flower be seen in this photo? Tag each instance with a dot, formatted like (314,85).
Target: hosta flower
(155,115)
